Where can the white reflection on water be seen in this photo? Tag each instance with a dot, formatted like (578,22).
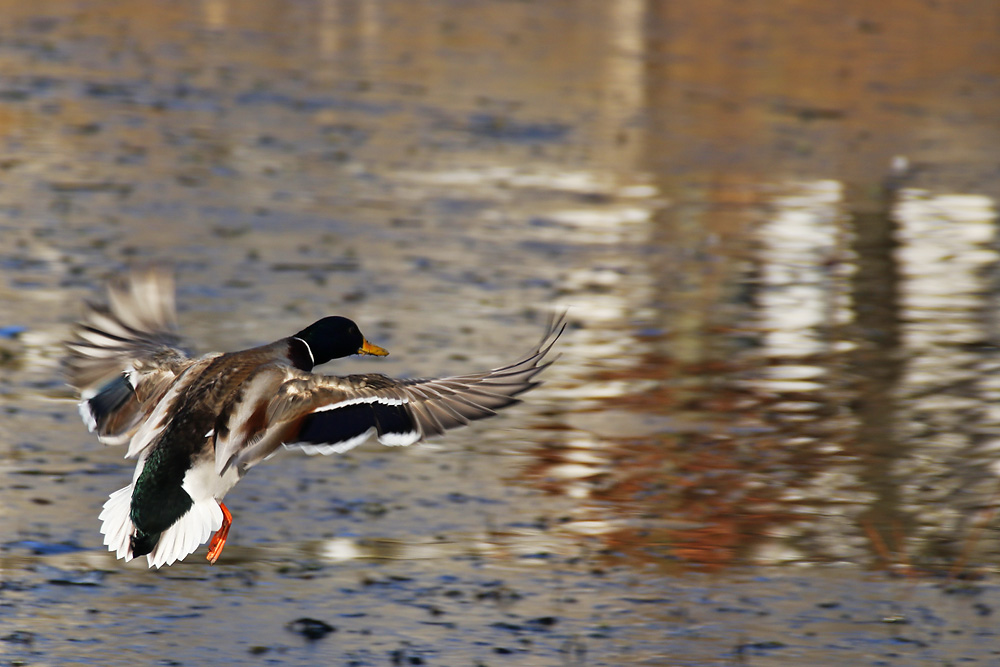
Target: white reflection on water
(946,245)
(938,410)
(946,249)
(803,282)
(947,259)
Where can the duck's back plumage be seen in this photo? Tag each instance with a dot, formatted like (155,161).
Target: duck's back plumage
(197,425)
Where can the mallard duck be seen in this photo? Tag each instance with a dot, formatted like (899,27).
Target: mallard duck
(197,425)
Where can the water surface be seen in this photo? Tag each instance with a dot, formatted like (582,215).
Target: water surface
(771,436)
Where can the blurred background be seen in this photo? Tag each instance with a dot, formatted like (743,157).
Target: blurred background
(773,432)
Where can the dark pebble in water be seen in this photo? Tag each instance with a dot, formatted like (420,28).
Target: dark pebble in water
(543,622)
(499,594)
(311,628)
(20,637)
(761,646)
(511,627)
(400,657)
(534,625)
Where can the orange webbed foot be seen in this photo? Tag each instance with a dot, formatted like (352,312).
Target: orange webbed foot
(219,539)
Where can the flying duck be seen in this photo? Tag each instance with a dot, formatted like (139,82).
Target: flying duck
(197,425)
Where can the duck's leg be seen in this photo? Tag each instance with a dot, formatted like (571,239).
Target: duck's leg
(219,539)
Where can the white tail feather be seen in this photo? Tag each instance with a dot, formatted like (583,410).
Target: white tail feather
(116,525)
(187,533)
(181,539)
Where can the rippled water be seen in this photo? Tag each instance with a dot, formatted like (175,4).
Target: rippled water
(772,433)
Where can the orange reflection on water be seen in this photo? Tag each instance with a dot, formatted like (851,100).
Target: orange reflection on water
(807,434)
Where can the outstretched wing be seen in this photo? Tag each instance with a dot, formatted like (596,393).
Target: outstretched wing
(124,356)
(328,415)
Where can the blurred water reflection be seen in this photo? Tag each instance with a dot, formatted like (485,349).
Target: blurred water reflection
(800,358)
(774,227)
(851,415)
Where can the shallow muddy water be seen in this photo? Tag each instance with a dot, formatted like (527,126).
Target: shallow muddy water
(771,436)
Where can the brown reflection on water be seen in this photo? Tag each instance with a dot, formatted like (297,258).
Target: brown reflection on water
(818,389)
(848,416)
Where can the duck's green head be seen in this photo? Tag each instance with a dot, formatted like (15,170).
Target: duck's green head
(336,337)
